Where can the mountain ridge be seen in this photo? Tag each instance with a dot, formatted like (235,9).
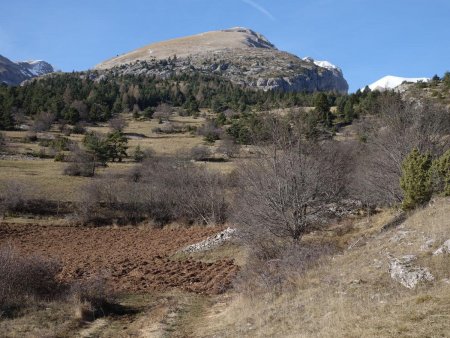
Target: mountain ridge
(239,54)
(14,73)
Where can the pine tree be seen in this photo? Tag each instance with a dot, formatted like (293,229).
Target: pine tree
(441,173)
(416,181)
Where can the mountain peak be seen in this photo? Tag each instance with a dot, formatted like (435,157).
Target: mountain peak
(239,54)
(13,73)
(203,43)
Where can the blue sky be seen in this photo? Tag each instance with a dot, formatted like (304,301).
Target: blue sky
(368,39)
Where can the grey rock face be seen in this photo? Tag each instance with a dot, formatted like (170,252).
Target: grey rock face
(13,73)
(403,271)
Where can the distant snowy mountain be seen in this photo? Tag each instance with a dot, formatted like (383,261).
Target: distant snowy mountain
(392,82)
(13,73)
(37,67)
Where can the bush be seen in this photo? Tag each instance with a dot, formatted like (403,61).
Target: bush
(416,180)
(81,163)
(210,131)
(58,144)
(13,197)
(441,174)
(276,273)
(118,123)
(93,299)
(78,129)
(60,157)
(25,279)
(161,190)
(200,153)
(2,142)
(43,121)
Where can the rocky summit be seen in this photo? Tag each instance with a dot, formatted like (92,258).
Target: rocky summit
(14,73)
(239,54)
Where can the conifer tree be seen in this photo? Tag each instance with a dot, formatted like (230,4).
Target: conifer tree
(416,180)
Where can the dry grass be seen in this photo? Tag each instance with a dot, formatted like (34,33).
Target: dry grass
(45,177)
(352,295)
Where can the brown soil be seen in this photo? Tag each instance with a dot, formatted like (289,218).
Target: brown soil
(132,259)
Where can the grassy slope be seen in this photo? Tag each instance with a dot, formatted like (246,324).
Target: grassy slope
(44,177)
(352,295)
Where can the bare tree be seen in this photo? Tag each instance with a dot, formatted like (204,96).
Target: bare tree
(81,163)
(163,112)
(118,123)
(43,121)
(228,147)
(284,191)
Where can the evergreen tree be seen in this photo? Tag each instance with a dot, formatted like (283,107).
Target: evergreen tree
(441,173)
(116,146)
(322,109)
(138,154)
(97,147)
(416,181)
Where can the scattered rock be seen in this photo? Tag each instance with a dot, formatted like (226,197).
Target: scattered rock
(211,242)
(443,249)
(406,274)
(399,236)
(428,244)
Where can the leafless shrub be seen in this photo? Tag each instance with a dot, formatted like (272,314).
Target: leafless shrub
(210,131)
(118,123)
(279,273)
(80,163)
(43,121)
(25,279)
(93,298)
(161,190)
(13,196)
(163,112)
(81,107)
(389,138)
(228,148)
(200,153)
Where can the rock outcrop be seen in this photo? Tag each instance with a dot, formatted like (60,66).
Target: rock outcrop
(239,54)
(14,73)
(403,271)
(443,249)
(211,242)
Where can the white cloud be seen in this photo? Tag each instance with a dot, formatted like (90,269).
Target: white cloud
(259,8)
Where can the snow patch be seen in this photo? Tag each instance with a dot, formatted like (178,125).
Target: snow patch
(392,82)
(323,64)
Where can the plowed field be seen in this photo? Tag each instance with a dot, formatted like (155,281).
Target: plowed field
(132,259)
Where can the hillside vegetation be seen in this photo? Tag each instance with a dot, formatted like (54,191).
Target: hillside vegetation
(336,204)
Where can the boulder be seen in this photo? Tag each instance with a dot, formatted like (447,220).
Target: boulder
(443,249)
(403,271)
